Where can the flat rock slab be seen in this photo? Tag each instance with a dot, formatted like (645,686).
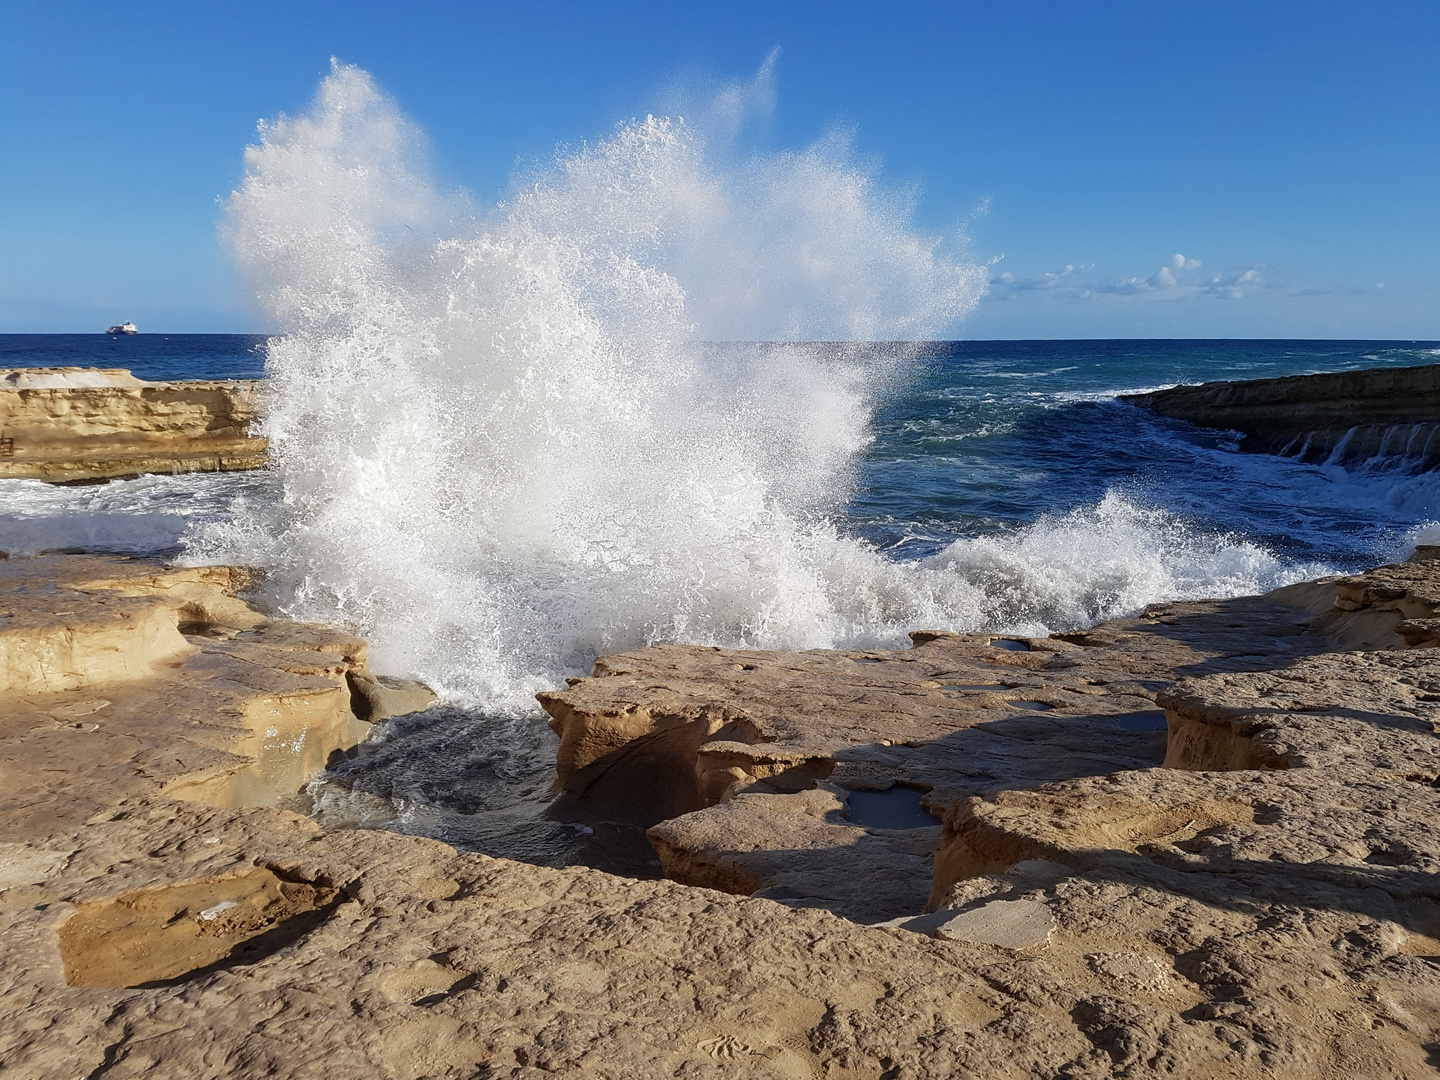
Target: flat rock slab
(1006,924)
(21,864)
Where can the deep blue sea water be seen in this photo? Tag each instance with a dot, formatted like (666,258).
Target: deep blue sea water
(994,434)
(147,356)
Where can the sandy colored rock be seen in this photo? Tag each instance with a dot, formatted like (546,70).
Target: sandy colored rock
(65,378)
(1274,922)
(720,740)
(379,697)
(79,424)
(21,864)
(154,675)
(1280,870)
(157,934)
(151,935)
(1006,924)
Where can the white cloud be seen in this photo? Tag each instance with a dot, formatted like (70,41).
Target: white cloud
(1048,281)
(1179,278)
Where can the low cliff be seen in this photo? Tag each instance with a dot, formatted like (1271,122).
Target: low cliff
(1348,415)
(84,424)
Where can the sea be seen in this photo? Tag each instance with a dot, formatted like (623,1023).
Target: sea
(977,485)
(1011,442)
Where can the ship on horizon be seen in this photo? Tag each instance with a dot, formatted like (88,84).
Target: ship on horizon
(122,328)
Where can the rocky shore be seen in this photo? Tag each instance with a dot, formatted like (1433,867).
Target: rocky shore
(1347,415)
(81,425)
(1198,841)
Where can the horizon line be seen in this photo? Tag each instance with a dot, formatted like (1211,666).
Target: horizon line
(767,341)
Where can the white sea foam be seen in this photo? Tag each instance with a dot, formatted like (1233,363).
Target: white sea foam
(1426,532)
(504,450)
(1107,561)
(143,516)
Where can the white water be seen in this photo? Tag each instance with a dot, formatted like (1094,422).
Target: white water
(503,448)
(144,516)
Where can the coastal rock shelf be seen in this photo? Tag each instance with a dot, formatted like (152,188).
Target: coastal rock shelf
(1222,804)
(159,675)
(754,758)
(76,425)
(1347,416)
(1264,906)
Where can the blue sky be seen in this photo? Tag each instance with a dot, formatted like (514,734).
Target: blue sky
(1133,170)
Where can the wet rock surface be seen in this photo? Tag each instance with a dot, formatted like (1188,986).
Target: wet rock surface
(1346,416)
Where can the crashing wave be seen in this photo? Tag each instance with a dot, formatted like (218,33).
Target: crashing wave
(505,445)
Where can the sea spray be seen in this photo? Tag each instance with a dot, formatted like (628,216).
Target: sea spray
(507,441)
(1107,561)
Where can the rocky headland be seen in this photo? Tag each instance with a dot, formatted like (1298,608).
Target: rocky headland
(1199,841)
(1347,415)
(80,425)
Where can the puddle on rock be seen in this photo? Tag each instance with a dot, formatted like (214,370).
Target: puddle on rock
(974,686)
(1009,645)
(897,808)
(479,783)
(1033,706)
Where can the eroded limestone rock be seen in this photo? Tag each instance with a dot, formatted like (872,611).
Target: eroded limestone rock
(1266,881)
(717,739)
(83,424)
(146,934)
(379,697)
(99,656)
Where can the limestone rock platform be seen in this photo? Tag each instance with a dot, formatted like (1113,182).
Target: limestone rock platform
(1226,803)
(1248,891)
(1344,416)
